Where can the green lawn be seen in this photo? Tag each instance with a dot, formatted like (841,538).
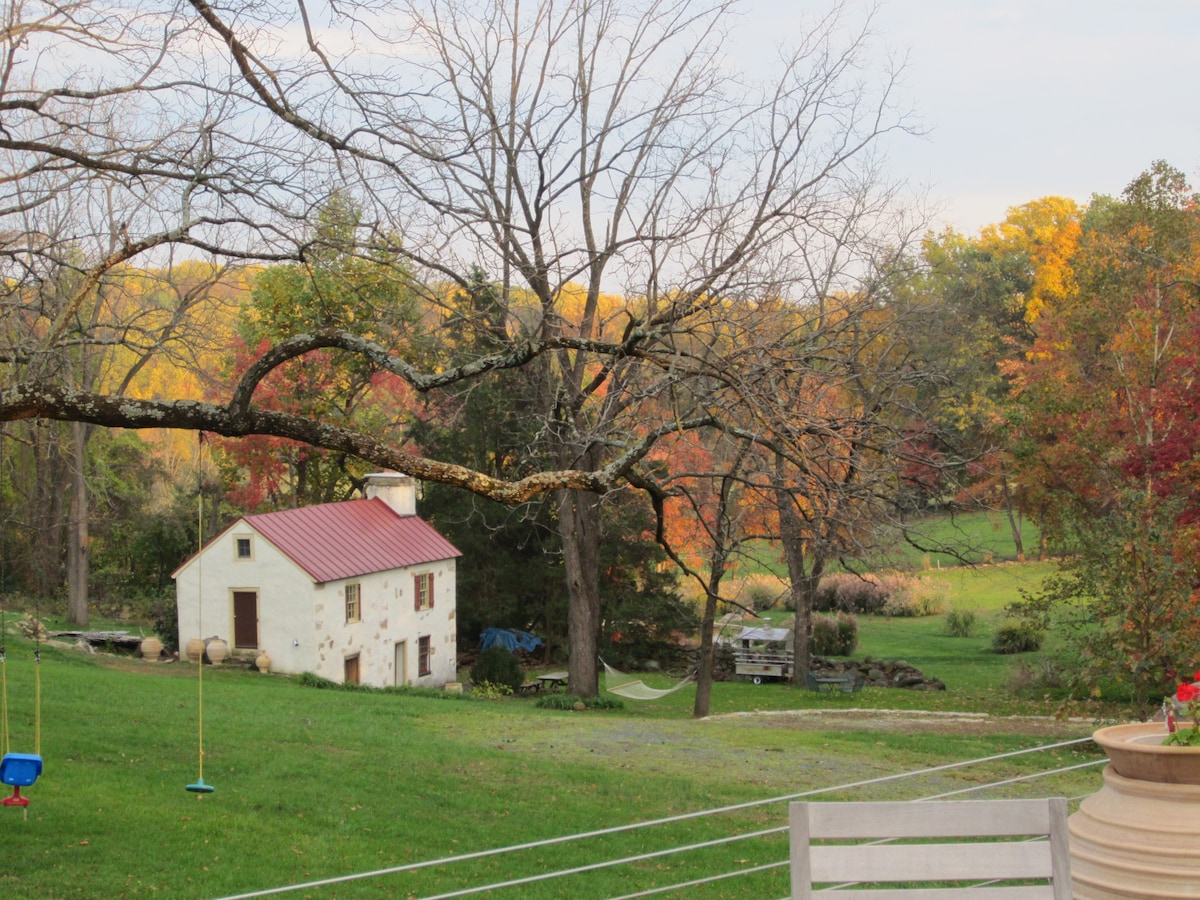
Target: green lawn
(977,538)
(977,679)
(318,784)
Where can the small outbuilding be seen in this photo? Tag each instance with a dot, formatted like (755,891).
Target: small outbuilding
(360,591)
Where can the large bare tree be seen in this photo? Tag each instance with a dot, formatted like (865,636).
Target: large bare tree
(573,149)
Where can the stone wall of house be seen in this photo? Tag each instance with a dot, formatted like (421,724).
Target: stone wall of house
(387,637)
(302,626)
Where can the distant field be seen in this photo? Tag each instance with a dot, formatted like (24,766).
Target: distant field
(975,538)
(968,538)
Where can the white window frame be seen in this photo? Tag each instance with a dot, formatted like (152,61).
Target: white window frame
(424,589)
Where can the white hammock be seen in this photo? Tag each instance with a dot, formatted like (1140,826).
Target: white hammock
(627,686)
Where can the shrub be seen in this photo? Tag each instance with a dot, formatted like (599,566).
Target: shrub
(488,690)
(960,622)
(889,595)
(932,595)
(313,680)
(497,665)
(166,624)
(1041,677)
(568,701)
(1015,636)
(761,592)
(910,597)
(849,593)
(835,635)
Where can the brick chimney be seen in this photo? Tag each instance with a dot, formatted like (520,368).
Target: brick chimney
(395,489)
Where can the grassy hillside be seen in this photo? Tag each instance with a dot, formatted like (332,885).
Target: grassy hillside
(318,784)
(974,538)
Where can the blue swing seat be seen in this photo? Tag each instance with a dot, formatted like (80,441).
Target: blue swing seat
(20,769)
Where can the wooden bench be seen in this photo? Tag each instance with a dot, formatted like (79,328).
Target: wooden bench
(846,682)
(859,856)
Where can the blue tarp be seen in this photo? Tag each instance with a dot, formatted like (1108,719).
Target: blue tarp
(510,639)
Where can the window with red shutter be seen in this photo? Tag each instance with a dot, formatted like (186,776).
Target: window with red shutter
(423,591)
(423,664)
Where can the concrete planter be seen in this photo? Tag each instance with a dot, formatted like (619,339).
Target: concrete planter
(194,650)
(151,648)
(217,651)
(1139,835)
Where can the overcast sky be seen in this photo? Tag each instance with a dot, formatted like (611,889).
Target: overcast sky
(1028,98)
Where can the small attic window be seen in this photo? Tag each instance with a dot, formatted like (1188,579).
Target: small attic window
(243,548)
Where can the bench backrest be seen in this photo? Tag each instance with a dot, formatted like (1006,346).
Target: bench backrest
(869,861)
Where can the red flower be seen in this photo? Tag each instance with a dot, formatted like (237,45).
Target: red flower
(1187,693)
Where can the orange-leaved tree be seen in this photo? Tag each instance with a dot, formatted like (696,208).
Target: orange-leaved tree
(1107,438)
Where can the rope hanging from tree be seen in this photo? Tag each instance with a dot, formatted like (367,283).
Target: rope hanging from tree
(19,770)
(199,786)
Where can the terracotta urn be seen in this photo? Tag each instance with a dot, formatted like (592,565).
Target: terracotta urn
(217,651)
(194,650)
(1137,751)
(263,662)
(151,648)
(1139,835)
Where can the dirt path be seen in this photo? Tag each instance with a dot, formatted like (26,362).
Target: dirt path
(892,720)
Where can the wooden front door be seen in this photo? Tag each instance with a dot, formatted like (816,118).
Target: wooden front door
(245,620)
(351,670)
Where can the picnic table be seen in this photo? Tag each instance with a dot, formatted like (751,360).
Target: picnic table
(553,680)
(546,681)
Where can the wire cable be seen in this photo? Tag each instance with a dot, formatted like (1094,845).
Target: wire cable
(618,829)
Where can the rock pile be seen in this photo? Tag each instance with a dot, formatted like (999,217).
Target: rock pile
(894,673)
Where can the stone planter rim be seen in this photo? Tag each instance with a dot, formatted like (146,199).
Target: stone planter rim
(1136,751)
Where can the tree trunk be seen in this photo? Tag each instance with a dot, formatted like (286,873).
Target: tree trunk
(803,580)
(579,528)
(1014,518)
(77,532)
(722,547)
(704,672)
(45,505)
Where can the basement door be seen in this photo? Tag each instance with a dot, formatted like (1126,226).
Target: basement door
(245,620)
(401,663)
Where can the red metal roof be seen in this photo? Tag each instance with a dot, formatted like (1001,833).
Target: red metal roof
(356,537)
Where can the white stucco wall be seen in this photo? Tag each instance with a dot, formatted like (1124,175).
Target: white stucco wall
(303,626)
(388,618)
(285,600)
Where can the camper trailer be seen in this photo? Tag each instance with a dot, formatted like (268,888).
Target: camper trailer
(763,654)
